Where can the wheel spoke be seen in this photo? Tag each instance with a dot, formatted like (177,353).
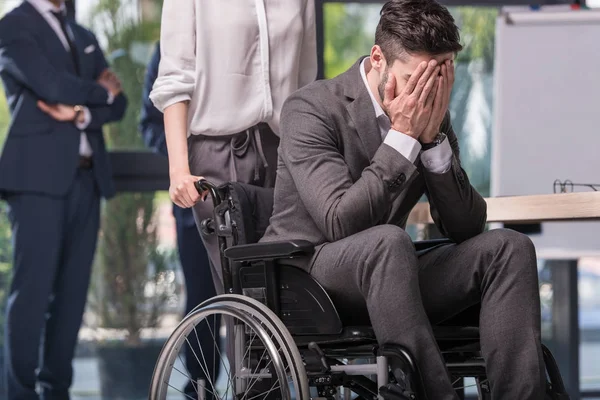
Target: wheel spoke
(264,351)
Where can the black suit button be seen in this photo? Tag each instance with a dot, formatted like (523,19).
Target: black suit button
(400,179)
(461,179)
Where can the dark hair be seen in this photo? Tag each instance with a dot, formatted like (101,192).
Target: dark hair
(416,26)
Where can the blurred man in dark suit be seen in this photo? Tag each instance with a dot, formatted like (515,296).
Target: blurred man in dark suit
(53,170)
(192,253)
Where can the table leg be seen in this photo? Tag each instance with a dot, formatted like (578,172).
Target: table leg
(565,322)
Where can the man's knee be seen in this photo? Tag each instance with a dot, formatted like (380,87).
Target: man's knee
(385,246)
(389,238)
(503,244)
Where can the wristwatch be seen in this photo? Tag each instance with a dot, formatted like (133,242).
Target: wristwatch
(440,137)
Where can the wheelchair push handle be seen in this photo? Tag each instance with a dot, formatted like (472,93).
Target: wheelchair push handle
(203,185)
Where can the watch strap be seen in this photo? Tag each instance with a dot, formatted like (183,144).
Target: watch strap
(438,139)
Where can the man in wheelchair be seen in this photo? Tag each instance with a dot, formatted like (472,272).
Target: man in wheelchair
(357,152)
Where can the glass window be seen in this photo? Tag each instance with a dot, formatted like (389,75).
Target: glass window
(589,322)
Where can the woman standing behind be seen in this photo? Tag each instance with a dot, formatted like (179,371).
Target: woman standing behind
(226,68)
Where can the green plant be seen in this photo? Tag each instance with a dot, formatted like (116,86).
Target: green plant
(345,36)
(5,230)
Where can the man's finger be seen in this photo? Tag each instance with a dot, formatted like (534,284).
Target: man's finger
(431,68)
(43,106)
(389,90)
(429,86)
(104,73)
(450,79)
(414,78)
(440,97)
(430,99)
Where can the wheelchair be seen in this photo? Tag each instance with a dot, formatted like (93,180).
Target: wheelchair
(285,338)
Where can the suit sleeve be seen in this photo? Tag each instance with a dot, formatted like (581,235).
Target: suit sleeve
(23,59)
(457,209)
(338,205)
(152,125)
(108,113)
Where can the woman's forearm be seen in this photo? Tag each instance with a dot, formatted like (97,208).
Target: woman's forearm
(176,117)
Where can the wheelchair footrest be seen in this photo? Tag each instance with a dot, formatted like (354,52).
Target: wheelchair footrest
(391,391)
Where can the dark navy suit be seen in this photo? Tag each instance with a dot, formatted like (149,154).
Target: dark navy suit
(192,254)
(54,202)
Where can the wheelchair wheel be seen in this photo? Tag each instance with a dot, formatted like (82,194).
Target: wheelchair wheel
(265,363)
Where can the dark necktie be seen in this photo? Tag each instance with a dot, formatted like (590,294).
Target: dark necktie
(62,19)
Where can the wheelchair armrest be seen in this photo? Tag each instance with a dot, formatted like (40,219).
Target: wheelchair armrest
(270,250)
(427,244)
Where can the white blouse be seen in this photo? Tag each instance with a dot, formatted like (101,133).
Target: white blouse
(235,61)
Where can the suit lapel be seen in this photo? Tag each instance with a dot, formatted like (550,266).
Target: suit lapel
(361,110)
(54,45)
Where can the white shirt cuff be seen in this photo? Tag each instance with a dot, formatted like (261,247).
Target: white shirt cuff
(439,158)
(87,118)
(111,98)
(403,144)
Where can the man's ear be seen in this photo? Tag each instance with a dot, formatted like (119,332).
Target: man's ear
(378,61)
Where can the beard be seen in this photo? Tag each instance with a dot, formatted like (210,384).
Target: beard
(381,86)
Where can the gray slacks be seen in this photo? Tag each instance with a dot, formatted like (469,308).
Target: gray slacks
(248,157)
(379,272)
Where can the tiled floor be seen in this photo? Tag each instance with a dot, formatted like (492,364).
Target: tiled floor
(87,387)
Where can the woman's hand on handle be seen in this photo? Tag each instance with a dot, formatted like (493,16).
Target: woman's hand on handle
(183,190)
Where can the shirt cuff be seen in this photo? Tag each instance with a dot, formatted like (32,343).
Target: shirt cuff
(439,158)
(403,144)
(111,98)
(87,118)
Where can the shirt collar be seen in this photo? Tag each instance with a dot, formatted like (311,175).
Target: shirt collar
(378,110)
(45,6)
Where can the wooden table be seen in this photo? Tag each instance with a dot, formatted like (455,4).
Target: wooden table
(565,307)
(530,209)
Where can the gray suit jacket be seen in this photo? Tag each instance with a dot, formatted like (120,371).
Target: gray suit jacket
(336,177)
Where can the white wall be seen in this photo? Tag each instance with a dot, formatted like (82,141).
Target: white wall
(547,117)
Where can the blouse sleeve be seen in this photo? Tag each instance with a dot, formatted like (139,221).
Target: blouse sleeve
(177,71)
(308,56)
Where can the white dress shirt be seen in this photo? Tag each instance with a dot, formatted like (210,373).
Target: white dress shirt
(235,62)
(437,159)
(46,8)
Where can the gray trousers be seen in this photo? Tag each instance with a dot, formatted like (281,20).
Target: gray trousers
(248,157)
(379,272)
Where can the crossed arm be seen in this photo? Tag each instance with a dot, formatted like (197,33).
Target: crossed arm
(22,59)
(59,91)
